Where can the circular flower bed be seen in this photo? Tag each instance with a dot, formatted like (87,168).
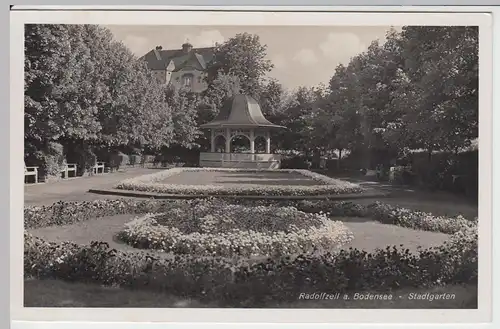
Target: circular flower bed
(235,230)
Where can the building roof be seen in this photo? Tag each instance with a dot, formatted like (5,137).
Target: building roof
(240,111)
(158,59)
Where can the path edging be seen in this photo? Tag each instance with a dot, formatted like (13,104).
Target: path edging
(152,195)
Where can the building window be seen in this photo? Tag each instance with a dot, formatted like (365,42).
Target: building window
(187,80)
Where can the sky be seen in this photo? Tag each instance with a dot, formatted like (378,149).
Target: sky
(302,55)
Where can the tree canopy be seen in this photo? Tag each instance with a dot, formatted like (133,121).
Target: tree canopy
(417,89)
(81,84)
(244,57)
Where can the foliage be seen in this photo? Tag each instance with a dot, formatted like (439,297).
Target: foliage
(219,229)
(82,87)
(244,57)
(284,278)
(228,280)
(118,159)
(271,99)
(295,113)
(97,262)
(185,106)
(64,213)
(222,88)
(53,159)
(388,214)
(436,94)
(416,90)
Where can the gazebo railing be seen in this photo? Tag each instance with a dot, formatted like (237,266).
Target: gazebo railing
(215,156)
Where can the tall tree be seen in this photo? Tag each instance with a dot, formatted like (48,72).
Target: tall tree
(438,87)
(219,90)
(271,98)
(83,86)
(242,56)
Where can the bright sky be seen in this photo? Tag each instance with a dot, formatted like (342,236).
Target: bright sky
(303,56)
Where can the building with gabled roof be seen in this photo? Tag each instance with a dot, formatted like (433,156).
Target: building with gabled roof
(183,67)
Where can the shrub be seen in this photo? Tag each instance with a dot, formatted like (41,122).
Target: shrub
(150,158)
(253,283)
(244,281)
(98,263)
(118,159)
(50,159)
(134,159)
(296,162)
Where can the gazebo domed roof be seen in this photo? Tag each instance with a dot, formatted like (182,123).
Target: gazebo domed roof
(240,111)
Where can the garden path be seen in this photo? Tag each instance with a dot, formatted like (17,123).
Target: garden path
(76,189)
(437,202)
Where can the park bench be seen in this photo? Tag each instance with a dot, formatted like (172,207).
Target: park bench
(67,168)
(31,171)
(97,166)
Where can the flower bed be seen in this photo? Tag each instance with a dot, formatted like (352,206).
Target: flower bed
(388,214)
(235,230)
(64,213)
(240,283)
(233,281)
(152,183)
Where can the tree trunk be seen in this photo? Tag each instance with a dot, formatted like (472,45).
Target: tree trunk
(339,158)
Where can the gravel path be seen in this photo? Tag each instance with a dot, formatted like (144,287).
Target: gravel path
(75,189)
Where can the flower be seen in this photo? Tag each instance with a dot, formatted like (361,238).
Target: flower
(237,230)
(153,183)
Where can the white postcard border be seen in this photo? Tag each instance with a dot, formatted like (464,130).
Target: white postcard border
(483,314)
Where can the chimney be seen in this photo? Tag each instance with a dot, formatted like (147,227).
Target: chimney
(186,47)
(159,47)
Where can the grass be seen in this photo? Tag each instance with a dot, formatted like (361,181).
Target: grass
(236,179)
(368,234)
(56,293)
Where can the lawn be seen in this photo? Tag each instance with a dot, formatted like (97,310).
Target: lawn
(82,223)
(368,234)
(232,179)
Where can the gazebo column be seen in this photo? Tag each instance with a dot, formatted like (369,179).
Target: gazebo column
(252,141)
(228,140)
(212,140)
(268,143)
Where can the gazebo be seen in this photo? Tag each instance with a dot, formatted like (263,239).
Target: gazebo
(240,116)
